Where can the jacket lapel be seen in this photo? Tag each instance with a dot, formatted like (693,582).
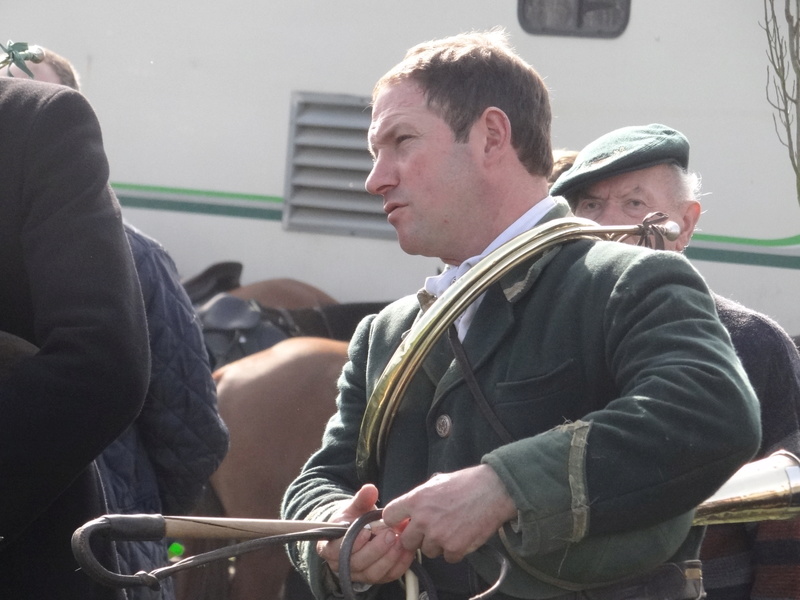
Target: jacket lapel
(494,319)
(439,356)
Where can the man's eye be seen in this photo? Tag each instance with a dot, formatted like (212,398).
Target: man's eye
(636,206)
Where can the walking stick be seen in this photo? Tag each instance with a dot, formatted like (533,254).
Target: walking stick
(260,533)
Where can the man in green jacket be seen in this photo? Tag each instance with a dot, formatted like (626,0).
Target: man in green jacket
(602,399)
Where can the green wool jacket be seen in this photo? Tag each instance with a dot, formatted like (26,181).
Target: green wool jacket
(628,406)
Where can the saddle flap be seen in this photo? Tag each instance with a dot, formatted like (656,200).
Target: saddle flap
(225,312)
(228,346)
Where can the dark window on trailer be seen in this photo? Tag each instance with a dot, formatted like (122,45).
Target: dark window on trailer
(585,18)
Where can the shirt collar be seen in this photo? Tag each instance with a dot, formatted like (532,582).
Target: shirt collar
(437,284)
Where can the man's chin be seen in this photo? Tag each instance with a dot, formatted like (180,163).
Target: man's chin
(411,246)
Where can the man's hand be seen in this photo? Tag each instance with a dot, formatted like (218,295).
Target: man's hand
(452,513)
(378,556)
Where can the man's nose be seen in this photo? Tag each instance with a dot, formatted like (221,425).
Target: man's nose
(379,178)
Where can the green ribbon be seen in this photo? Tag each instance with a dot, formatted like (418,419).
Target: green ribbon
(19,52)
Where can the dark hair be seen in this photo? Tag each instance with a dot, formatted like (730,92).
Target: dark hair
(562,161)
(463,75)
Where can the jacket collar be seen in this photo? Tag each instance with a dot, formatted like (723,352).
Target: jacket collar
(519,280)
(494,317)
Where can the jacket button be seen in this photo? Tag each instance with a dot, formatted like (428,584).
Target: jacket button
(443,425)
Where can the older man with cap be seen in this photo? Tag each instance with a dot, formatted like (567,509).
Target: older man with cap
(619,179)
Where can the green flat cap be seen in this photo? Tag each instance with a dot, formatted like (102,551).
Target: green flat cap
(623,150)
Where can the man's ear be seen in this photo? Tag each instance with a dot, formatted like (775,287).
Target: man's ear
(688,222)
(496,129)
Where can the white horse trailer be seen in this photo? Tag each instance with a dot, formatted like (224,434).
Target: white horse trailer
(235,130)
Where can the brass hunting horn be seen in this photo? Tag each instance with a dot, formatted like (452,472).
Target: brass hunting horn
(763,490)
(392,384)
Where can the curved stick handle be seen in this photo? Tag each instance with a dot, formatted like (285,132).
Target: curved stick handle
(156,527)
(116,527)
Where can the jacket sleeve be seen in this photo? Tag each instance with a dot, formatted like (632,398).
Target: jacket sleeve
(683,419)
(179,425)
(63,405)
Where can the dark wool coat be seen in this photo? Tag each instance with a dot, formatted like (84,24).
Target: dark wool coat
(161,463)
(67,285)
(609,366)
(760,560)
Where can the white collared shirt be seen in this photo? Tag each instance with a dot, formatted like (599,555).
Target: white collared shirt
(437,284)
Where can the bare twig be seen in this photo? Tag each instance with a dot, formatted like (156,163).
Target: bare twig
(783,72)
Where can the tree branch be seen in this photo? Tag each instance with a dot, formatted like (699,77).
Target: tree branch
(783,72)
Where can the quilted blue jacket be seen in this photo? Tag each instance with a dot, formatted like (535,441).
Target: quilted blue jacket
(163,461)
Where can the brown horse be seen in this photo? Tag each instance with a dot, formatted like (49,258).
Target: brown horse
(283,293)
(276,403)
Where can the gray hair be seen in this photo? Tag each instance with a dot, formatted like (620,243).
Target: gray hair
(687,185)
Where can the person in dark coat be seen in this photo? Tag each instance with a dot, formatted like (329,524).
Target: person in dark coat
(161,464)
(578,411)
(740,562)
(68,286)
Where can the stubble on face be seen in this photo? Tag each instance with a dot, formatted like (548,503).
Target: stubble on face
(426,178)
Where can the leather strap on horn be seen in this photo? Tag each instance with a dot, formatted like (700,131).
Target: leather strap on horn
(474,388)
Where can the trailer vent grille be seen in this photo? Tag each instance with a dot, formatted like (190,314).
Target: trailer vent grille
(327,165)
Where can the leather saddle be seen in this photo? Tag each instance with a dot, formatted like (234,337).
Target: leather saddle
(234,328)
